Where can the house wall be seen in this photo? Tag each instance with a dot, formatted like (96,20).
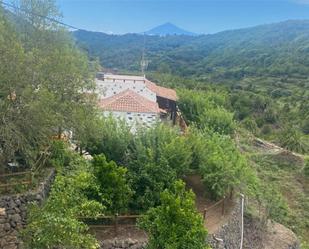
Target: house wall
(135,119)
(108,88)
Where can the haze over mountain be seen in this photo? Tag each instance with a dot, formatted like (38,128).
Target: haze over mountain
(168,29)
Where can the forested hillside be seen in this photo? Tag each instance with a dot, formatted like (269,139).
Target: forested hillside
(124,52)
(265,69)
(274,49)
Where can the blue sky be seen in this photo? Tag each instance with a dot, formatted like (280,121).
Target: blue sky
(200,16)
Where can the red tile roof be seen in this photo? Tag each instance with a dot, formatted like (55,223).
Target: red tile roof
(129,101)
(162,91)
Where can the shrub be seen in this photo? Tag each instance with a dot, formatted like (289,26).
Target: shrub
(222,167)
(291,139)
(175,223)
(112,140)
(266,129)
(155,158)
(250,124)
(56,224)
(59,155)
(114,190)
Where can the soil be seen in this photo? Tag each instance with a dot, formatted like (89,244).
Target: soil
(270,236)
(216,215)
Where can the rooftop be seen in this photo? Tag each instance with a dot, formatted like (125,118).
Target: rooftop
(159,90)
(162,91)
(129,101)
(123,77)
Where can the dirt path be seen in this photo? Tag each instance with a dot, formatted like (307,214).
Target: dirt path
(216,215)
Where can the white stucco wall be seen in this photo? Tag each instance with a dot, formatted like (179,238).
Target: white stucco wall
(108,88)
(135,119)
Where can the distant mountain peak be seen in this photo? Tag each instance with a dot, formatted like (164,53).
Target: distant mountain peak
(168,29)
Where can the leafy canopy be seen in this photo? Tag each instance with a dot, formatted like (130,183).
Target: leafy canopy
(175,223)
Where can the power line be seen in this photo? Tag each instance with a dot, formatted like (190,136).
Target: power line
(38,15)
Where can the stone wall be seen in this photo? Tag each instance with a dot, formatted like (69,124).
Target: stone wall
(123,244)
(13,211)
(229,235)
(256,235)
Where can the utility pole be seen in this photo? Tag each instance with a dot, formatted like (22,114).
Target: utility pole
(144,63)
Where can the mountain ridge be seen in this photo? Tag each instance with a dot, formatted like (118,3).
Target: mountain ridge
(168,29)
(275,49)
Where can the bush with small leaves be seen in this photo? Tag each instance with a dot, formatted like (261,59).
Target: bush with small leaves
(175,223)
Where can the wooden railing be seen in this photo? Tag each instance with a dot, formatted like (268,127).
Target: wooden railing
(114,222)
(4,179)
(214,206)
(30,174)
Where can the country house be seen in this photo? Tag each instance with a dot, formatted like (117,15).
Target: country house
(135,99)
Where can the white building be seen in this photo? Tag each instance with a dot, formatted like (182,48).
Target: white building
(135,99)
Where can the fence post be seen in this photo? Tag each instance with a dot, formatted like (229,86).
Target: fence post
(231,194)
(223,206)
(116,225)
(204,214)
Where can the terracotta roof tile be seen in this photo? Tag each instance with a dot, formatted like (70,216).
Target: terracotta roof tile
(129,101)
(162,91)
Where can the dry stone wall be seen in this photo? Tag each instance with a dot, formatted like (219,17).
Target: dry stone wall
(13,212)
(229,235)
(123,244)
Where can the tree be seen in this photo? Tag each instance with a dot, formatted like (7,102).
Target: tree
(175,223)
(44,78)
(112,139)
(250,124)
(57,223)
(114,190)
(22,131)
(155,158)
(207,110)
(220,163)
(219,120)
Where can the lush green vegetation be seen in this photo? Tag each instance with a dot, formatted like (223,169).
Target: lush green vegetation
(267,84)
(113,191)
(57,223)
(43,76)
(228,84)
(175,223)
(280,191)
(230,54)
